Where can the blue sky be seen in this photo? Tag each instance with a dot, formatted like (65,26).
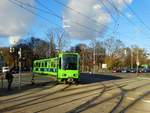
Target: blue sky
(126,32)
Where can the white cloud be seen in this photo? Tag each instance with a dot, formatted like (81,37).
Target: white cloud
(14,21)
(97,6)
(121,3)
(88,28)
(97,21)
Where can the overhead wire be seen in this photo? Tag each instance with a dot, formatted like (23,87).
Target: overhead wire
(137,16)
(86,16)
(61,18)
(49,11)
(22,4)
(31,11)
(123,15)
(116,24)
(131,22)
(107,9)
(79,12)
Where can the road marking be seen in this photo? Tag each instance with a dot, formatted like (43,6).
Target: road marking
(146,101)
(130,98)
(144,78)
(143,100)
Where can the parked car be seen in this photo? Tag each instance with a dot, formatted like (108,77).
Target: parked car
(145,70)
(116,70)
(125,70)
(132,70)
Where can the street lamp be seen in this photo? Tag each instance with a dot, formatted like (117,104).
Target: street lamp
(12,50)
(94,59)
(19,53)
(137,62)
(125,54)
(131,59)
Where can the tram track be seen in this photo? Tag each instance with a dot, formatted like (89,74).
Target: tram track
(23,104)
(89,103)
(81,87)
(66,92)
(16,106)
(27,103)
(122,94)
(118,107)
(51,86)
(135,101)
(35,91)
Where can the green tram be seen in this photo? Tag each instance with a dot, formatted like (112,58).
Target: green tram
(65,67)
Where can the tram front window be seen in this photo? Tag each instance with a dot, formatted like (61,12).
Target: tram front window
(70,62)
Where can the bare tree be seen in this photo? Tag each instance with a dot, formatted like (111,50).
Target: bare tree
(52,47)
(114,48)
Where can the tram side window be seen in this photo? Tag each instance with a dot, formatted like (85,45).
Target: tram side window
(59,63)
(42,64)
(36,64)
(52,64)
(49,63)
(55,63)
(45,64)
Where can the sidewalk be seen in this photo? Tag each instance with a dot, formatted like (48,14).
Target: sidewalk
(25,84)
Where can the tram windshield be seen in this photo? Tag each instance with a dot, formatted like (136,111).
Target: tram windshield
(70,62)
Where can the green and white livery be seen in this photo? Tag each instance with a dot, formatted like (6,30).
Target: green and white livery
(65,67)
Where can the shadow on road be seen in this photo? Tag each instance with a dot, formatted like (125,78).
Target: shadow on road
(86,78)
(5,92)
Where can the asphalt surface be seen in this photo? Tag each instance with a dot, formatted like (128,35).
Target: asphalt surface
(96,93)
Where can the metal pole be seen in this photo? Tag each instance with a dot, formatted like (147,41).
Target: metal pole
(125,53)
(131,59)
(2,81)
(19,68)
(94,59)
(1,76)
(137,62)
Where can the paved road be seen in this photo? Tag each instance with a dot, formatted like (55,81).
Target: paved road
(103,93)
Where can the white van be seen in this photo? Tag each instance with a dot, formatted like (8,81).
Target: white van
(5,69)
